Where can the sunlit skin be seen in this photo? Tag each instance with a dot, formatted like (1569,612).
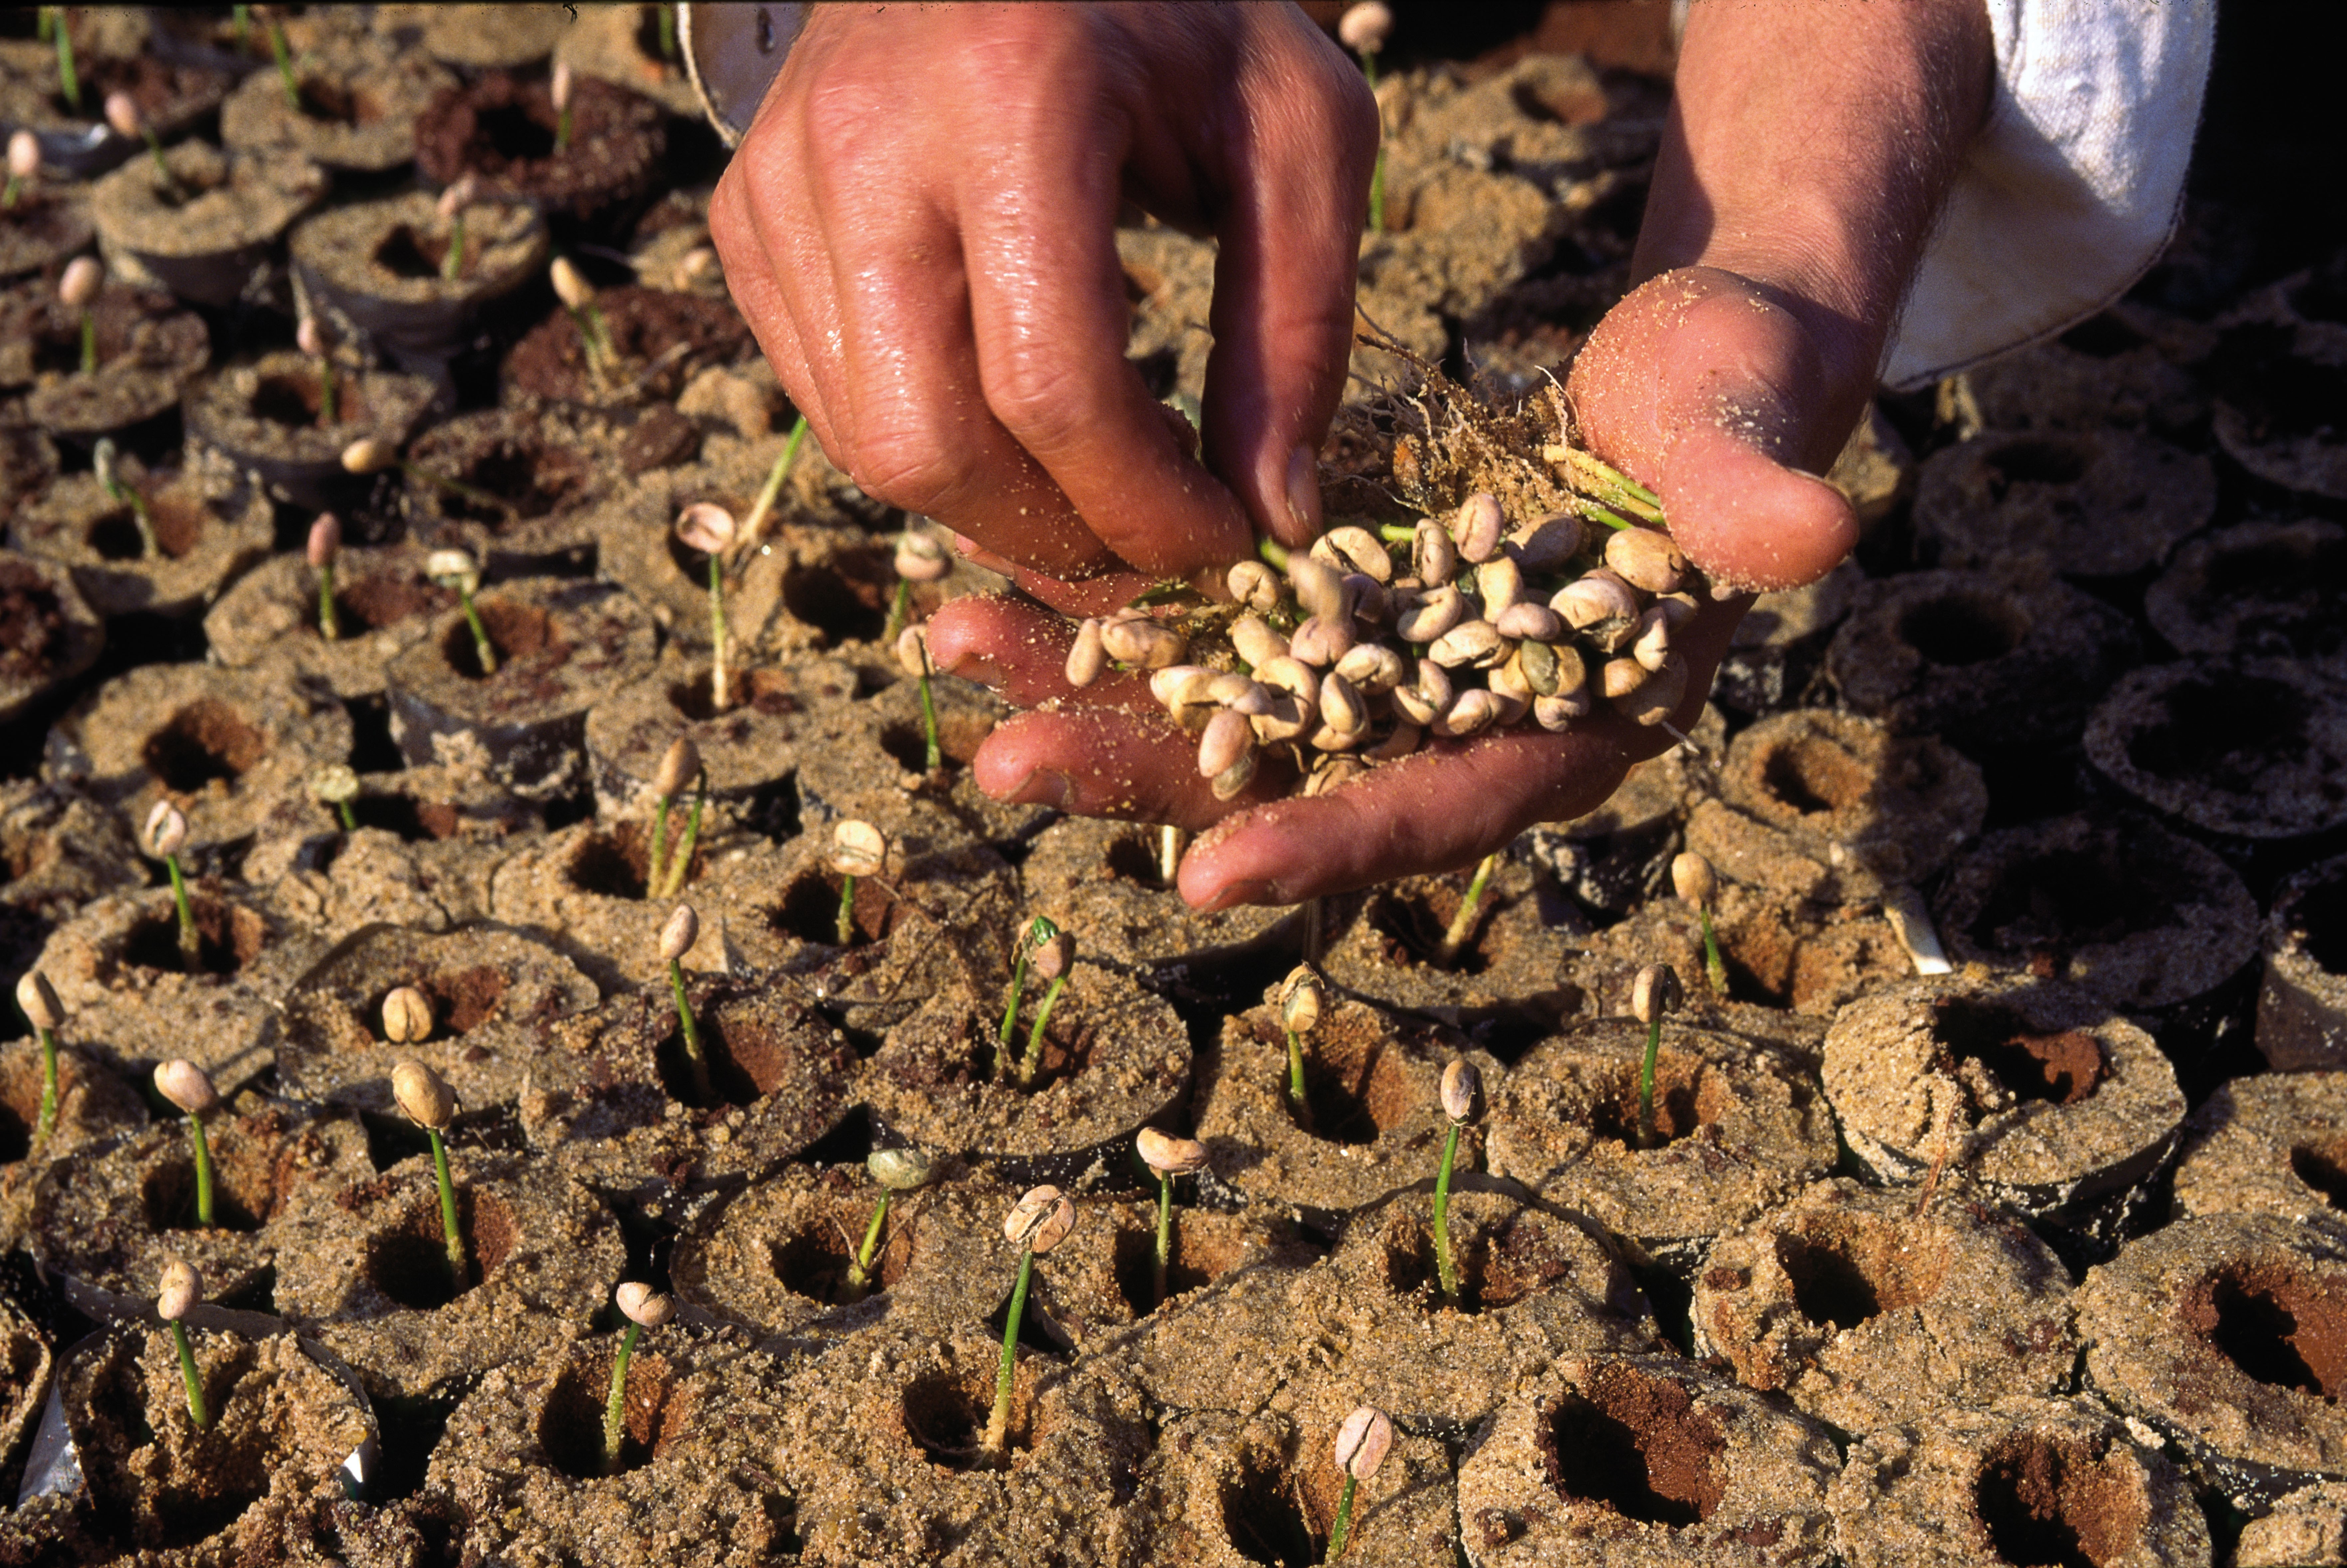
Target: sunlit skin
(956,345)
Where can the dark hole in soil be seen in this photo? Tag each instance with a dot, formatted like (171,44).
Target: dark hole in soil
(1844,1274)
(2323,1168)
(530,478)
(228,937)
(1679,1110)
(31,624)
(1813,774)
(202,1489)
(1637,1443)
(1353,1091)
(2069,898)
(177,520)
(765,690)
(846,599)
(238,1203)
(324,99)
(409,1261)
(296,400)
(2229,735)
(1198,1259)
(571,1428)
(16,1127)
(2103,337)
(1828,1287)
(1412,926)
(373,751)
(1133,857)
(1411,1264)
(813,1257)
(410,1428)
(515,133)
(405,253)
(2047,1504)
(1958,628)
(2318,920)
(749,1056)
(958,737)
(2063,1068)
(2278,1327)
(810,910)
(204,741)
(616,862)
(385,600)
(2036,461)
(945,1414)
(516,631)
(414,821)
(1263,1515)
(462,1001)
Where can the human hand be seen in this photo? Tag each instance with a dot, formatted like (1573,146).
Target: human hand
(919,227)
(1790,210)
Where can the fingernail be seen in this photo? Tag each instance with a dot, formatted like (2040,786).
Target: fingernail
(1251,892)
(1044,787)
(1304,490)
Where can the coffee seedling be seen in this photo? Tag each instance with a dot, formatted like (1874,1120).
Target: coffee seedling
(1039,930)
(857,849)
(643,1308)
(325,543)
(337,784)
(372,454)
(913,656)
(896,1171)
(240,26)
(666,22)
(1301,999)
(1654,992)
(24,166)
(919,558)
(455,569)
(1462,1086)
(1361,1444)
(1167,1157)
(1462,924)
(451,209)
(311,339)
(279,52)
(709,527)
(557,90)
(77,288)
(762,510)
(165,835)
(1037,1223)
(68,80)
(1055,956)
(109,479)
(1693,880)
(179,1291)
(676,940)
(190,1088)
(431,1105)
(122,114)
(1364,28)
(406,1016)
(680,765)
(578,297)
(37,1001)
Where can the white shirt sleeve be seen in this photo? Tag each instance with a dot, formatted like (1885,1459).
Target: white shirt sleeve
(2074,187)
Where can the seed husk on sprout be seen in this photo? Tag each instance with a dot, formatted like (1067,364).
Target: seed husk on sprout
(455,569)
(311,339)
(1363,28)
(122,114)
(677,937)
(179,1291)
(680,765)
(325,542)
(896,1171)
(1360,1447)
(431,1105)
(190,1088)
(165,834)
(558,90)
(1055,956)
(24,166)
(337,784)
(1037,1223)
(913,657)
(857,849)
(1694,881)
(1462,1089)
(1301,997)
(709,527)
(37,1001)
(1654,992)
(1167,1157)
(919,558)
(578,297)
(643,1308)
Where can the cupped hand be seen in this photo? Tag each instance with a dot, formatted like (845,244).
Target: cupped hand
(920,228)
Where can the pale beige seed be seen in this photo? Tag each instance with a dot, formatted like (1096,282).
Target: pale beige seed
(1462,1086)
(1239,694)
(1429,695)
(1556,715)
(1319,587)
(1537,621)
(1470,643)
(1424,616)
(1432,556)
(1373,669)
(1168,1155)
(1652,645)
(1321,643)
(901,1170)
(23,155)
(1254,584)
(1659,697)
(1357,549)
(920,558)
(1621,677)
(1693,880)
(187,1086)
(640,1304)
(406,1016)
(1341,707)
(1594,599)
(706,527)
(122,115)
(570,286)
(1476,526)
(1646,558)
(78,285)
(1656,992)
(677,937)
(1545,545)
(369,454)
(1228,737)
(1164,684)
(913,651)
(1055,956)
(1473,710)
(1302,997)
(1372,604)
(38,1001)
(858,849)
(1499,583)
(1362,1441)
(1406,738)
(423,1094)
(1040,1221)
(1365,26)
(165,832)
(178,1290)
(1228,784)
(1256,642)
(1087,659)
(679,766)
(325,540)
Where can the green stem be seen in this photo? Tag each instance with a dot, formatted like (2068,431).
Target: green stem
(615,1411)
(326,393)
(1165,1259)
(1597,513)
(1296,1079)
(49,1117)
(655,875)
(1272,551)
(562,130)
(89,343)
(1446,1267)
(450,1230)
(450,486)
(898,608)
(998,1425)
(845,932)
(859,1268)
(240,19)
(1344,1520)
(1647,1084)
(68,77)
(694,1055)
(204,1209)
(1033,1062)
(1011,1011)
(932,757)
(720,699)
(329,625)
(190,942)
(8,194)
(284,68)
(1463,922)
(481,647)
(162,170)
(667,32)
(349,818)
(453,261)
(764,506)
(680,862)
(149,546)
(1378,172)
(188,1375)
(1398,533)
(1714,969)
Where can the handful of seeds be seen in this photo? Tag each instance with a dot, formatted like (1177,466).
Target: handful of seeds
(1355,651)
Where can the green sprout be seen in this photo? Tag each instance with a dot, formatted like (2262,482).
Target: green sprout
(24,166)
(1693,880)
(709,527)
(240,26)
(1301,997)
(431,1105)
(857,849)
(122,115)
(913,657)
(1462,924)
(558,91)
(68,80)
(643,1308)
(166,835)
(1363,29)
(109,479)
(455,569)
(1167,1157)
(578,297)
(451,208)
(680,765)
(762,510)
(181,1288)
(919,558)
(372,454)
(666,20)
(325,544)
(337,784)
(1461,1084)
(1039,930)
(677,937)
(1054,957)
(896,1171)
(1037,1223)
(190,1088)
(311,339)
(77,288)
(37,1000)
(1361,1445)
(284,58)
(1654,992)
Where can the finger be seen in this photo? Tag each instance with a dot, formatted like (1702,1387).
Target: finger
(755,280)
(1296,186)
(1021,651)
(1106,762)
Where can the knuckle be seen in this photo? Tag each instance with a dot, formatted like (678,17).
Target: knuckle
(1037,390)
(904,462)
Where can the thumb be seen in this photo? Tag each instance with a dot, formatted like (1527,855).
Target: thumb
(1703,386)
